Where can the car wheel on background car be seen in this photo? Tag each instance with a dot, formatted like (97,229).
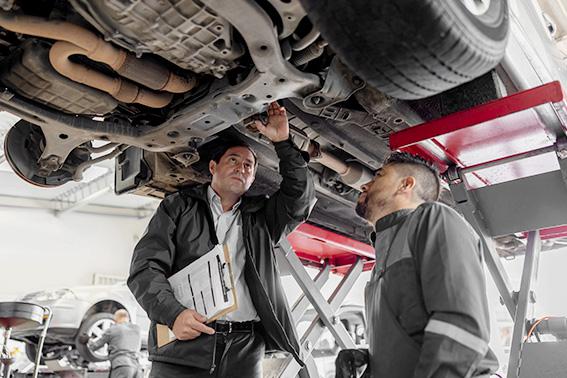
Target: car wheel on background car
(31,352)
(49,352)
(94,326)
(414,49)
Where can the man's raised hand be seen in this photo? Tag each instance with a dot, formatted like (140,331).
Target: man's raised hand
(277,128)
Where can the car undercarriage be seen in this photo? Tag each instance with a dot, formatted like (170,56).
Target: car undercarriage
(157,85)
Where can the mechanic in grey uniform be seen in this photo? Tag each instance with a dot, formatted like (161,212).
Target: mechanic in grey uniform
(426,305)
(188,224)
(124,340)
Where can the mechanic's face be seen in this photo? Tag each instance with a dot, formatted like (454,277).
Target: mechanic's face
(377,197)
(234,173)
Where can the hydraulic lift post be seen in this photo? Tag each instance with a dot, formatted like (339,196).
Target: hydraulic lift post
(525,302)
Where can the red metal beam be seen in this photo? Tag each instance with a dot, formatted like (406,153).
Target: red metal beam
(322,243)
(315,246)
(499,141)
(547,93)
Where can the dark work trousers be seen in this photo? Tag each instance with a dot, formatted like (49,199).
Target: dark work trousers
(238,354)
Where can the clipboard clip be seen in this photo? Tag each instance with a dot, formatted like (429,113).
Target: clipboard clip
(225,289)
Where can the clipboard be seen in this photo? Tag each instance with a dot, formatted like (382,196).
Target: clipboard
(185,290)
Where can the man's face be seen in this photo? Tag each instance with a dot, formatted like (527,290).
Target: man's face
(235,171)
(377,195)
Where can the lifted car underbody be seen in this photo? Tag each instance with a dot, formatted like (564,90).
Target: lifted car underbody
(158,84)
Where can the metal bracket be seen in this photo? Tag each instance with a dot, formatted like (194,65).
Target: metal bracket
(339,85)
(561,152)
(453,175)
(341,114)
(291,13)
(468,207)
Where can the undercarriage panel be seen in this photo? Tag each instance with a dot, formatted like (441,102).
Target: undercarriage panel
(29,73)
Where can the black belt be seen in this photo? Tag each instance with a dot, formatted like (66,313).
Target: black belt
(226,327)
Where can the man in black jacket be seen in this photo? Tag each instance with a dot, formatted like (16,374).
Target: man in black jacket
(426,305)
(189,224)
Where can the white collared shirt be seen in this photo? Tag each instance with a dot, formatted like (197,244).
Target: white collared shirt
(228,226)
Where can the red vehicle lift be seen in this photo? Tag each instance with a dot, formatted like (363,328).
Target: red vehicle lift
(329,252)
(506,166)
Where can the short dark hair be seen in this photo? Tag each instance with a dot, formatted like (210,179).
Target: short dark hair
(229,143)
(426,174)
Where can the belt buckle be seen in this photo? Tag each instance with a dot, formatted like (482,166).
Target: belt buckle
(229,327)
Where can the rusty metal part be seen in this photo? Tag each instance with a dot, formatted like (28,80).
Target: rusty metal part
(122,90)
(142,71)
(306,55)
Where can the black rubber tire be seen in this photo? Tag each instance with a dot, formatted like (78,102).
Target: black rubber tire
(47,353)
(412,49)
(87,323)
(31,353)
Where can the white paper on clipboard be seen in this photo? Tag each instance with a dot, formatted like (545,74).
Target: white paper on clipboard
(206,286)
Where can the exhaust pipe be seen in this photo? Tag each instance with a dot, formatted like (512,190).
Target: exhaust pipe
(142,71)
(352,174)
(122,90)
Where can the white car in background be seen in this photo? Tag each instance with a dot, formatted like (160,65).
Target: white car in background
(89,309)
(78,310)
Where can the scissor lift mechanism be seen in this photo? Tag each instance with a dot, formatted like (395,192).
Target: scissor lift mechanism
(328,252)
(506,166)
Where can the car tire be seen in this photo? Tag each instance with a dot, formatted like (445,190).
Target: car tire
(94,325)
(49,352)
(412,49)
(31,353)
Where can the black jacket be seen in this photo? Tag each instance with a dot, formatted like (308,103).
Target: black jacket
(182,230)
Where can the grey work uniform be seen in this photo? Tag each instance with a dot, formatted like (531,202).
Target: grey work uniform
(124,342)
(426,300)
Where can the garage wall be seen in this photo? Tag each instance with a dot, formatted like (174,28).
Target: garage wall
(39,250)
